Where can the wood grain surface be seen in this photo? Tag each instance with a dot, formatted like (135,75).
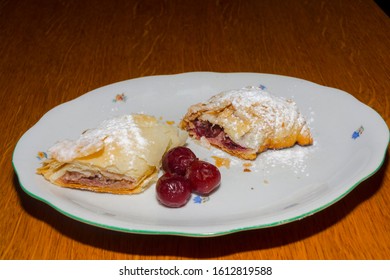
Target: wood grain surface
(52,51)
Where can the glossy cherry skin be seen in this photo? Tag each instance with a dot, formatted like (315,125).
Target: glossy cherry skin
(173,190)
(177,160)
(204,177)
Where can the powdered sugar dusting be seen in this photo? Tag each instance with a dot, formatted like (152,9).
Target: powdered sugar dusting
(113,130)
(255,115)
(294,159)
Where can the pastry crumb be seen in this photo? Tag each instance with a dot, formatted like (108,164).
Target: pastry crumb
(219,162)
(246,166)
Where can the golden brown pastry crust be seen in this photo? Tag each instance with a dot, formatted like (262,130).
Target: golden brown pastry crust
(251,121)
(127,187)
(121,156)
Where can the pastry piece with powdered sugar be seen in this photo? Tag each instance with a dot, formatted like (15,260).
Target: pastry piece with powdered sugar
(246,122)
(122,155)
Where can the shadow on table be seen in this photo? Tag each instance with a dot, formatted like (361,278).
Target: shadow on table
(384,5)
(203,248)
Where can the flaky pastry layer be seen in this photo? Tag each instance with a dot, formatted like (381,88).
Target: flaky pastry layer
(247,122)
(121,156)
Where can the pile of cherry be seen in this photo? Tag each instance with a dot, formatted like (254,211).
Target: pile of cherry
(185,174)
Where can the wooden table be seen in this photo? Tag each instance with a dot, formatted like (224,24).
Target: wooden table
(52,51)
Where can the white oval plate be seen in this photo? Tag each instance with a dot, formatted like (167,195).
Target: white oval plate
(279,187)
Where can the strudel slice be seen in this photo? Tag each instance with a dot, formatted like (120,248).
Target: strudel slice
(246,122)
(121,156)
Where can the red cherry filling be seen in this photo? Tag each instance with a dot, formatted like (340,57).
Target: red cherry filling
(215,135)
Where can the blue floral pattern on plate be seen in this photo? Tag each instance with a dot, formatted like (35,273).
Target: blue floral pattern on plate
(356,134)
